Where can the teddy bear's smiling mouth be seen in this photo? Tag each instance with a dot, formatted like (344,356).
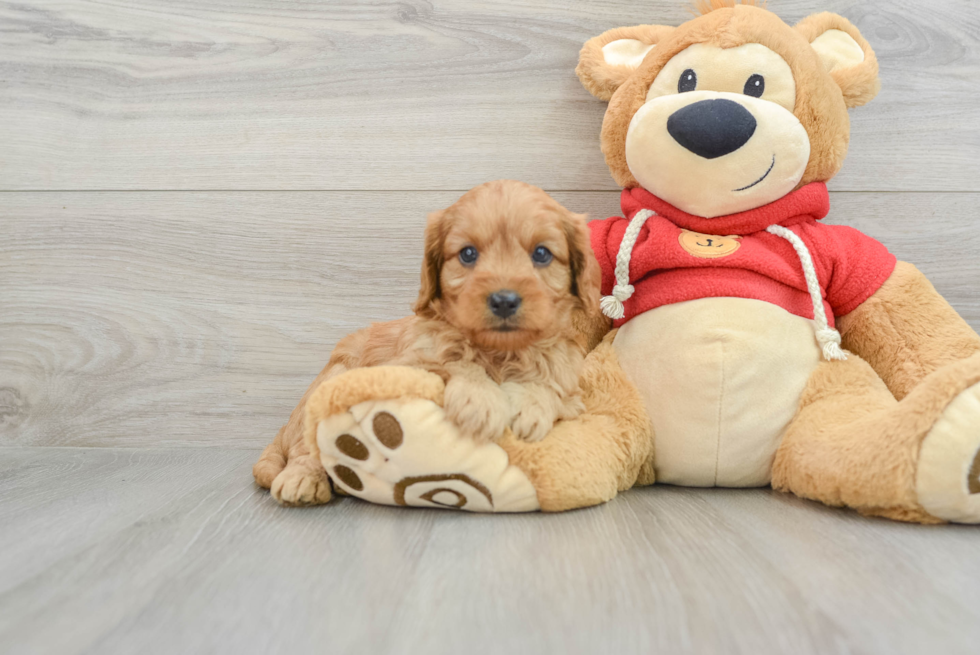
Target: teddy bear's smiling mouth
(771,166)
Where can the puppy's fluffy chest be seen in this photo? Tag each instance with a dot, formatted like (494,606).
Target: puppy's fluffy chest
(554,361)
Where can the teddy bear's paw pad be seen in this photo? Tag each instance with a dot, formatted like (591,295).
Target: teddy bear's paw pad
(948,477)
(405,452)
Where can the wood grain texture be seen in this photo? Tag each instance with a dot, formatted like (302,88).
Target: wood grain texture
(199,318)
(359,94)
(164,320)
(163,551)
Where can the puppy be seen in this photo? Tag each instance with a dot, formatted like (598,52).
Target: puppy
(510,290)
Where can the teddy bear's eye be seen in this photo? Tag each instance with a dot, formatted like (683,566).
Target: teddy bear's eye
(688,81)
(755,86)
(468,255)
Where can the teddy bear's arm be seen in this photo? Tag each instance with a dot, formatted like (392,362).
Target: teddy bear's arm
(907,330)
(587,460)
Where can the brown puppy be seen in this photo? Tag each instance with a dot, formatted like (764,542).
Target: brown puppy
(509,286)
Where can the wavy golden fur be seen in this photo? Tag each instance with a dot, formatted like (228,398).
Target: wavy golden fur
(520,371)
(703,7)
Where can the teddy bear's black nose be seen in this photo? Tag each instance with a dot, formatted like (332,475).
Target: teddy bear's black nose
(712,128)
(504,303)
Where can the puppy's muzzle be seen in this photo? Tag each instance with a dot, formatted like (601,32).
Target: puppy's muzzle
(504,303)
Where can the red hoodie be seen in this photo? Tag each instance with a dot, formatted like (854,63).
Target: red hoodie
(678,258)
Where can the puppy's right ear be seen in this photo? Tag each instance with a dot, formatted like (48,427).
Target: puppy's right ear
(607,60)
(585,273)
(430,290)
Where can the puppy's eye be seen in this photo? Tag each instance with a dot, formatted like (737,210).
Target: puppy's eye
(541,256)
(688,81)
(755,86)
(468,255)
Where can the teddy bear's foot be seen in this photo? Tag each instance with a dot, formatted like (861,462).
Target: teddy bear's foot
(948,477)
(405,452)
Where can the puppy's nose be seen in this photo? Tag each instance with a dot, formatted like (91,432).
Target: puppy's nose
(503,303)
(712,128)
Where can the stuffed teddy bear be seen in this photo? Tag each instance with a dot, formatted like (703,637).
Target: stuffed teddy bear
(751,344)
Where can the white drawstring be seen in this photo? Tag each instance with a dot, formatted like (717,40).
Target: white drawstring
(612,306)
(827,337)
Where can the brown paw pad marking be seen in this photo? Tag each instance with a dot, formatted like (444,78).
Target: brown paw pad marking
(443,497)
(973,479)
(348,477)
(444,492)
(352,447)
(387,430)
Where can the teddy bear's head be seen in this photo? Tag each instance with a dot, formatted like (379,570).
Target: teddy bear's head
(731,110)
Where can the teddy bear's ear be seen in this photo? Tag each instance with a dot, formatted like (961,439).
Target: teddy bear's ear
(608,59)
(845,54)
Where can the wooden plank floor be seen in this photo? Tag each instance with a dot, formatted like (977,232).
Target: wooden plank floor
(197,200)
(170,551)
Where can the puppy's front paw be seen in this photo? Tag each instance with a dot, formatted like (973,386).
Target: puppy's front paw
(301,484)
(481,411)
(535,411)
(533,423)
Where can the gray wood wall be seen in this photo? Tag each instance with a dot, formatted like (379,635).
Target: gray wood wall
(197,200)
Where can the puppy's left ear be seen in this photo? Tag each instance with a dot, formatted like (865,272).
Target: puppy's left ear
(845,54)
(586,277)
(430,290)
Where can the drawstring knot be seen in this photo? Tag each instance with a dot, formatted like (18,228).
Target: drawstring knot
(612,305)
(829,340)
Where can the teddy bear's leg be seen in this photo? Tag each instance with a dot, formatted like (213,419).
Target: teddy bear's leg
(609,448)
(382,436)
(907,330)
(852,443)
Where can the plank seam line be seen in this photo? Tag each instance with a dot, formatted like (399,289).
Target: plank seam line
(405,191)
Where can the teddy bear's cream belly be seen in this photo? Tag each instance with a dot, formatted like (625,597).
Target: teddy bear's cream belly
(721,379)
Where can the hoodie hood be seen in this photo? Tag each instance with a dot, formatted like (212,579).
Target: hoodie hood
(808,203)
